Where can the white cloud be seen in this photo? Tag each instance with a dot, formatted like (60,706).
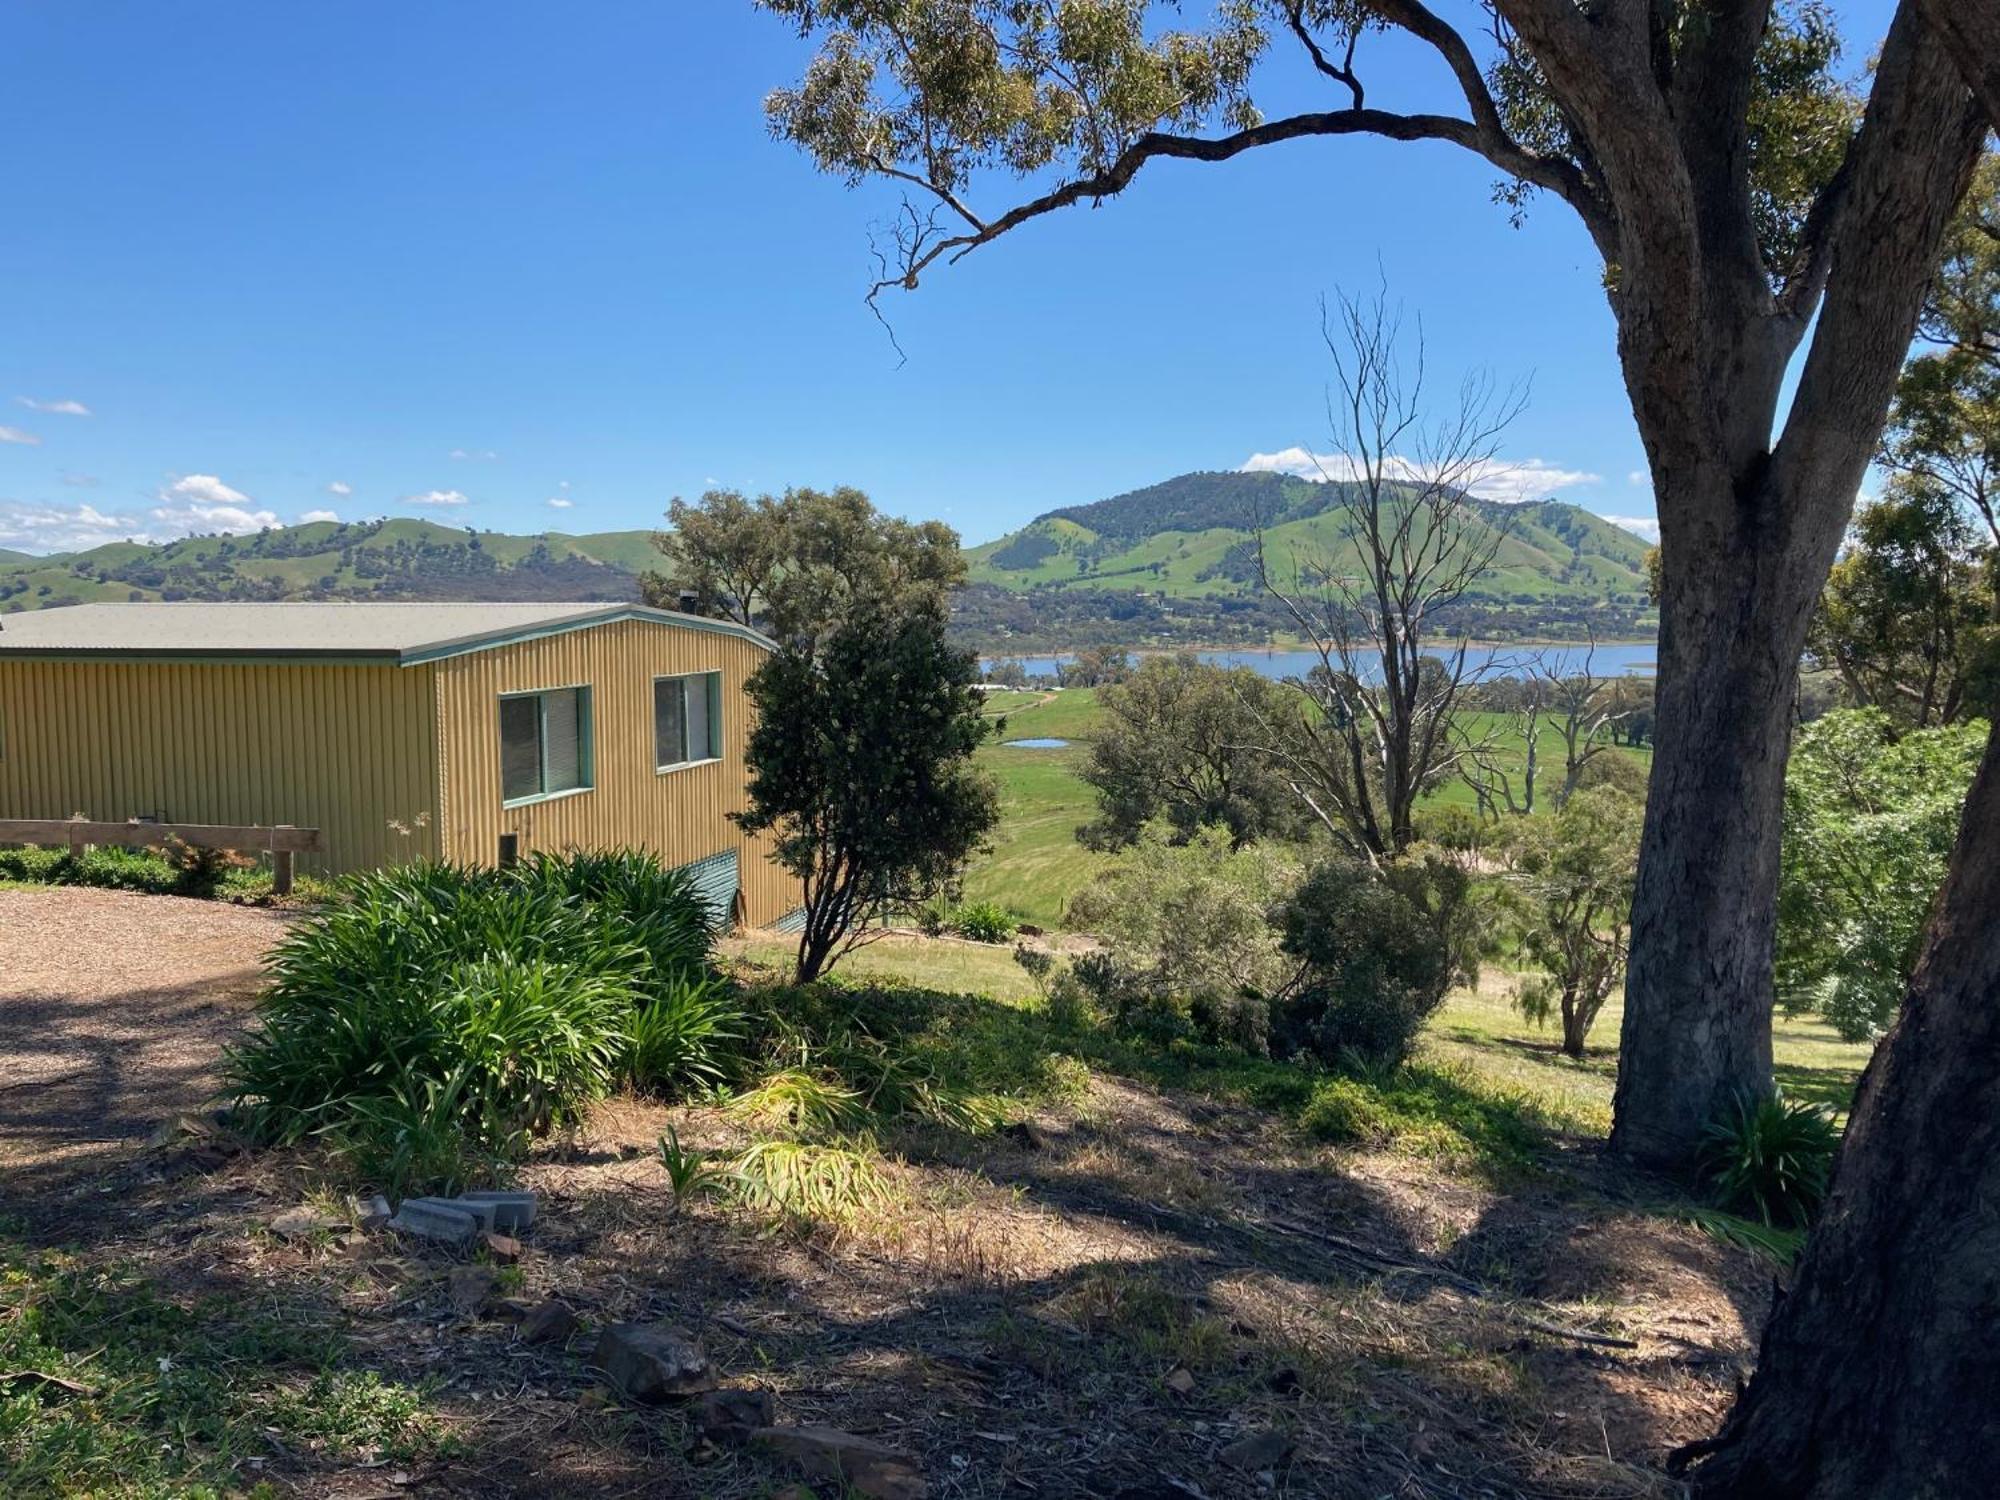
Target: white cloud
(1639,479)
(52,528)
(55,408)
(203,489)
(1643,526)
(202,502)
(15,435)
(1505,482)
(562,484)
(436,497)
(558,502)
(481,455)
(340,487)
(318,515)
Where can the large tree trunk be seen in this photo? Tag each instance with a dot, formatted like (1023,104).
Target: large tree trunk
(1880,1373)
(1696,1033)
(1748,532)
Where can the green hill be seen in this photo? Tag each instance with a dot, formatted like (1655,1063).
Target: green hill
(402,558)
(1195,536)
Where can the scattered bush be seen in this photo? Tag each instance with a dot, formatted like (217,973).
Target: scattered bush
(1038,964)
(1192,918)
(984,922)
(435,1017)
(1378,952)
(1770,1156)
(1870,817)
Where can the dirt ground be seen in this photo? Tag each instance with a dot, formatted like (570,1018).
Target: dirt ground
(1103,1306)
(113,1011)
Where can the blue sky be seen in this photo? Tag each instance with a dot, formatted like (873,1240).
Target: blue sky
(531,266)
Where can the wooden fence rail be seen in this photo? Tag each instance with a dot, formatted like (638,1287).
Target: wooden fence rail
(281,841)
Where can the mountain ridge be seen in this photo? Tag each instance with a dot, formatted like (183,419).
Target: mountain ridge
(1195,535)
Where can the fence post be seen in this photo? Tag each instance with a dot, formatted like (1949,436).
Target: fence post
(76,845)
(281,868)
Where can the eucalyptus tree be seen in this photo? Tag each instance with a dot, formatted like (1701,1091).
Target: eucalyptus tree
(1757,222)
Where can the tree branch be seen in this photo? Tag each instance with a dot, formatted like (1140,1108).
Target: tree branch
(1560,178)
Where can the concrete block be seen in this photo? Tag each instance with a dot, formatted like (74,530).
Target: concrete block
(512,1212)
(435,1219)
(482,1214)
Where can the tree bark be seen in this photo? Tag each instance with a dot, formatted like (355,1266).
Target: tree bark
(1879,1372)
(1696,1033)
(1971,29)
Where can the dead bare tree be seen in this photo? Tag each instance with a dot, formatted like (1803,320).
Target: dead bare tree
(1580,707)
(1412,540)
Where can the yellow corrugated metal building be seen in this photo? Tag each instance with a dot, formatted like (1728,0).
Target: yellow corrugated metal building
(398,730)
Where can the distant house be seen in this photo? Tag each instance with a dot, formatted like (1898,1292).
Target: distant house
(399,730)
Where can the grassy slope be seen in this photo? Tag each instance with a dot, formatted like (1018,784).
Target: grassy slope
(31,582)
(1532,561)
(1036,863)
(1478,1030)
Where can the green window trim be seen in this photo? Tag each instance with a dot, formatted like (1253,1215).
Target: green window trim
(585,771)
(676,720)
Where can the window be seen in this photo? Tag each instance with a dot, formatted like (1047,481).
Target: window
(687,719)
(544,743)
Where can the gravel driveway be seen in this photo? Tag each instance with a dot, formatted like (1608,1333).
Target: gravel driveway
(113,1011)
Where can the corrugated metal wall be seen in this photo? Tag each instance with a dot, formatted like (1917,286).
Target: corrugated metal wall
(681,815)
(340,748)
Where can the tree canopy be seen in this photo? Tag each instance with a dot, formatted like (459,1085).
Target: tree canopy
(797,563)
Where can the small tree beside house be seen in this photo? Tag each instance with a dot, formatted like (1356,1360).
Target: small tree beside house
(861,764)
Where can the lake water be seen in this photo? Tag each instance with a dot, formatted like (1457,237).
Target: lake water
(1612,659)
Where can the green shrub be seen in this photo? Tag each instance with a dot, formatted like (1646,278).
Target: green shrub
(680,1035)
(984,922)
(1770,1157)
(107,868)
(1348,1111)
(1377,952)
(435,1017)
(1194,917)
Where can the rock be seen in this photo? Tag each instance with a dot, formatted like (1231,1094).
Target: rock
(1259,1450)
(432,1219)
(298,1223)
(512,1211)
(1180,1380)
(867,1467)
(652,1362)
(733,1413)
(471,1288)
(378,1215)
(550,1323)
(502,1247)
(1029,929)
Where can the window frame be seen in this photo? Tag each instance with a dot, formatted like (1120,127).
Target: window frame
(711,676)
(586,743)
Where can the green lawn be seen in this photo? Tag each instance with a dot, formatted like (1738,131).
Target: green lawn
(1036,863)
(1481,1029)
